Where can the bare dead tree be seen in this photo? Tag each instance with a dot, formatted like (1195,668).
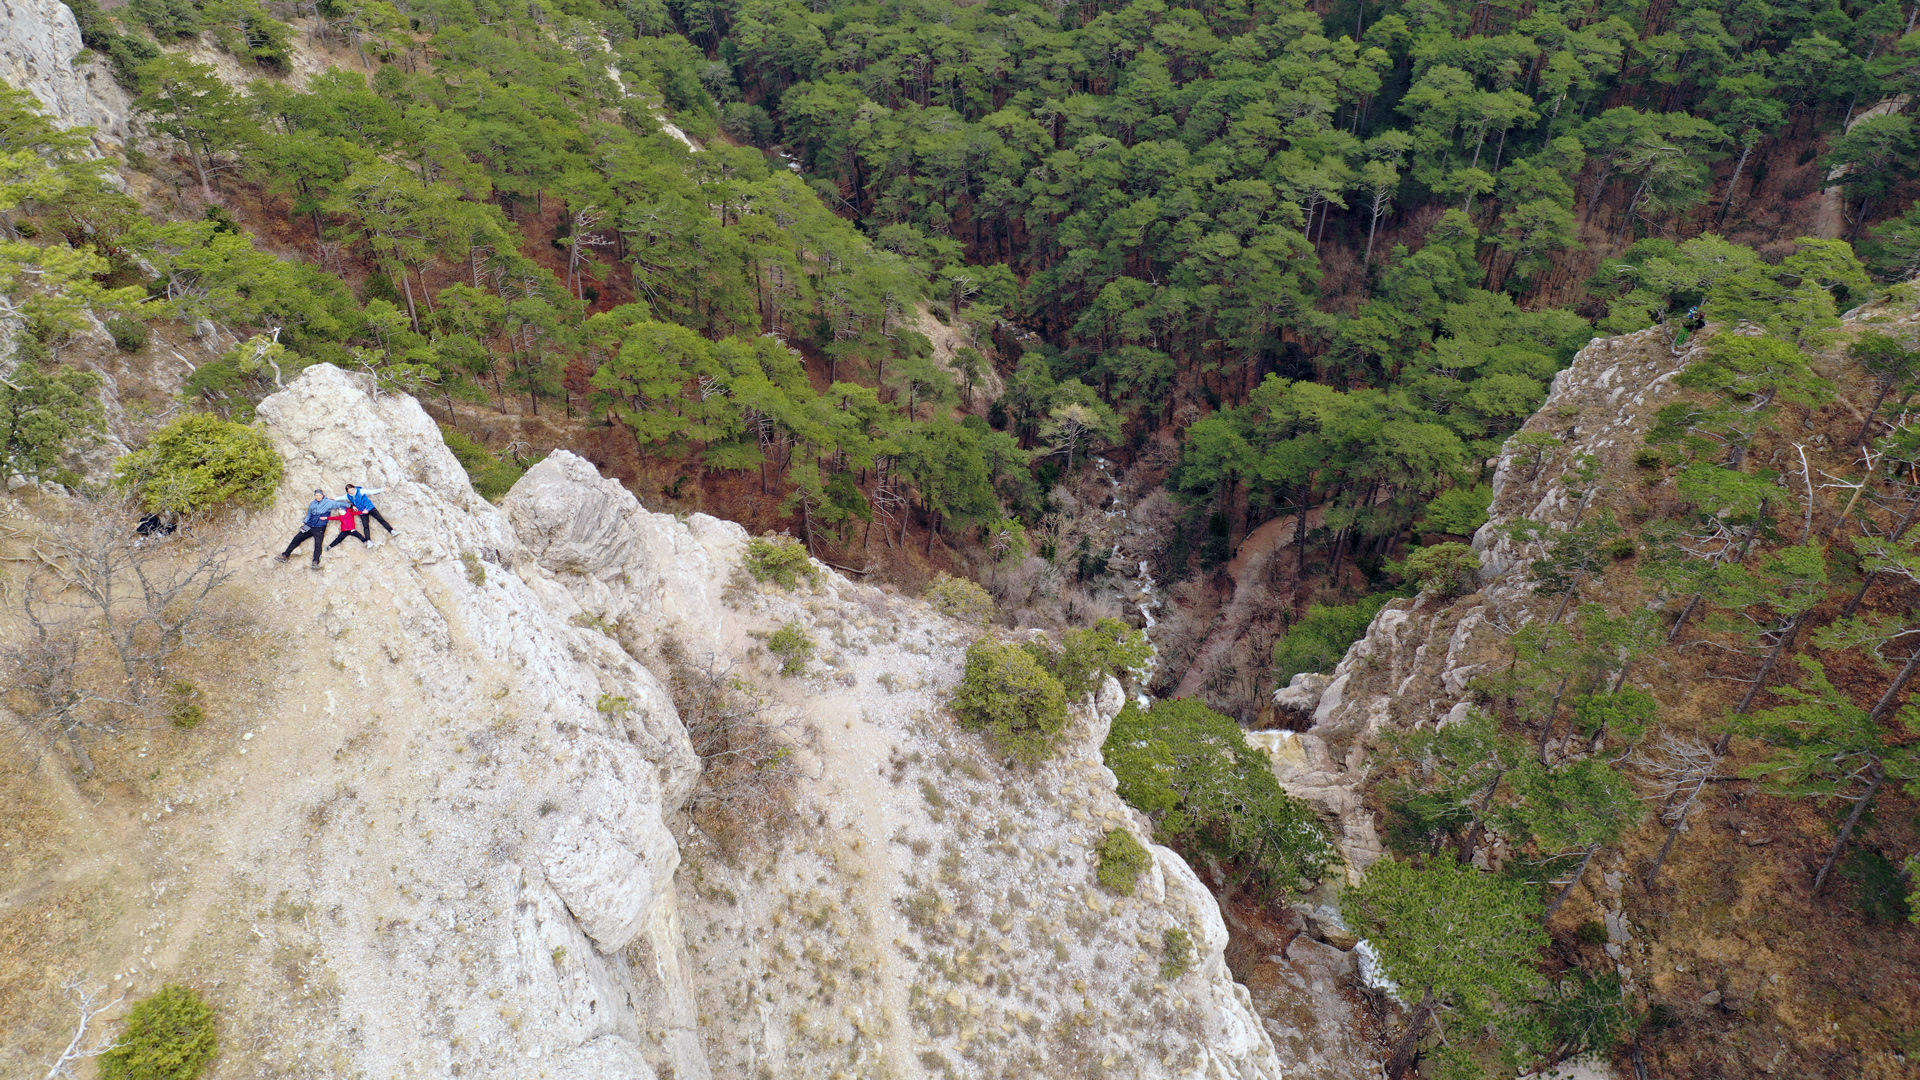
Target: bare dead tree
(1675,774)
(99,615)
(749,772)
(82,1045)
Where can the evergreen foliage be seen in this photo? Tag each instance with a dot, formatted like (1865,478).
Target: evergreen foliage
(781,560)
(1190,770)
(201,462)
(959,598)
(792,647)
(170,1036)
(491,477)
(1322,636)
(41,415)
(1008,695)
(1122,860)
(1087,656)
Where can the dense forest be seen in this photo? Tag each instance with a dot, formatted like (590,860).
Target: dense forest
(918,274)
(1302,248)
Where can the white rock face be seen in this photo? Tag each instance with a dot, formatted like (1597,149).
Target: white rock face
(39,41)
(429,828)
(512,828)
(926,909)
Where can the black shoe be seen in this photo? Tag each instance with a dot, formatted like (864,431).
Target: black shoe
(282,556)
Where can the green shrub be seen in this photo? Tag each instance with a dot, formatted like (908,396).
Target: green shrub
(1087,657)
(186,712)
(1459,511)
(1190,770)
(794,648)
(958,598)
(199,462)
(1877,887)
(1123,858)
(781,560)
(41,414)
(491,477)
(476,570)
(1007,694)
(169,1036)
(1322,636)
(129,335)
(1447,569)
(1176,953)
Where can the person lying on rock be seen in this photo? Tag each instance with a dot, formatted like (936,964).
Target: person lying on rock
(315,526)
(349,520)
(362,500)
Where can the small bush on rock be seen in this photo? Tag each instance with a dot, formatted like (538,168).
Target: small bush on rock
(170,1036)
(1191,771)
(1087,657)
(1176,952)
(129,335)
(1123,858)
(199,462)
(958,598)
(1007,694)
(1447,569)
(794,648)
(781,560)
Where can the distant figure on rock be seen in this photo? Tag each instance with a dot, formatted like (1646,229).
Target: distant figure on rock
(155,525)
(315,526)
(362,500)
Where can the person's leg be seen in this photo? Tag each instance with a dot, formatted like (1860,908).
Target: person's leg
(375,515)
(343,534)
(298,538)
(319,537)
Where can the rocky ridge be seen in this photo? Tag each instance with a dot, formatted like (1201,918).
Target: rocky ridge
(434,827)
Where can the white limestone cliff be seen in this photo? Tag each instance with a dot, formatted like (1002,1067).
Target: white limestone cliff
(41,52)
(429,826)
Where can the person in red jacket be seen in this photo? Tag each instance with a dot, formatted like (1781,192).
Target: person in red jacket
(349,519)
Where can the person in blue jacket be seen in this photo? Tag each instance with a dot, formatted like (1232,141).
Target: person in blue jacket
(362,500)
(315,526)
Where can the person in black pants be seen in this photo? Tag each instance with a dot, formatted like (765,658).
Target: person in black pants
(315,526)
(362,500)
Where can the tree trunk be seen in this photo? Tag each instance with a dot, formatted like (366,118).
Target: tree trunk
(1886,387)
(1760,680)
(1408,1046)
(1866,583)
(1887,700)
(1578,873)
(1727,202)
(1686,808)
(1878,774)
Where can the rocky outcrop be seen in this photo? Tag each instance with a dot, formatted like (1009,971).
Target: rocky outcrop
(41,52)
(927,908)
(1416,663)
(435,823)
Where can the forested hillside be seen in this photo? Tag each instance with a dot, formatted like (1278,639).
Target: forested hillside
(1231,309)
(1309,256)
